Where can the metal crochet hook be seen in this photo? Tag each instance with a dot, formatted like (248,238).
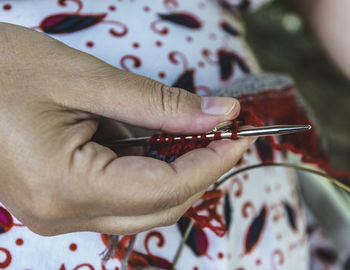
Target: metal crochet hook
(219,132)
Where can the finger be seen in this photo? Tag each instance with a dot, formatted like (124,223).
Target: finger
(200,168)
(111,130)
(139,185)
(94,86)
(125,225)
(116,94)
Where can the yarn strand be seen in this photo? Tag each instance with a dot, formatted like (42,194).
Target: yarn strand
(266,164)
(288,165)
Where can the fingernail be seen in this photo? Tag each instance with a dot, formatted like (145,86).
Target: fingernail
(218,105)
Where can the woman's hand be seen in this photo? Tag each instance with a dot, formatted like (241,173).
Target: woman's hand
(56,179)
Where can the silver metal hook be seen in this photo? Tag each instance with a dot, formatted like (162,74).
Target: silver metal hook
(224,133)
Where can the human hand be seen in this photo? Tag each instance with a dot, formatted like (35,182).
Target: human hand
(55,179)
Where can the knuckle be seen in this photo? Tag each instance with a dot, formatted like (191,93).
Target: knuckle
(179,194)
(169,198)
(172,218)
(170,98)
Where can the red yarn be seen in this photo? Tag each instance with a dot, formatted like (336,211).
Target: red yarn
(208,204)
(270,107)
(283,108)
(164,146)
(234,130)
(217,135)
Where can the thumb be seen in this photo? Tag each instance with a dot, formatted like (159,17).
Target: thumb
(140,101)
(154,105)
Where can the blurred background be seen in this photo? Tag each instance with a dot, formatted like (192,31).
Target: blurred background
(283,43)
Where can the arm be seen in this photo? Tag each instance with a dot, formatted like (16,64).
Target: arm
(330,21)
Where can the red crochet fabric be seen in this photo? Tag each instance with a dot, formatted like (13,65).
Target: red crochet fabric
(264,108)
(283,107)
(165,148)
(269,107)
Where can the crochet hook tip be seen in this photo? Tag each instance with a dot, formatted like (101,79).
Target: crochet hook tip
(273,130)
(293,129)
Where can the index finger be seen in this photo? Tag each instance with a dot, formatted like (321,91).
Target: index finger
(140,185)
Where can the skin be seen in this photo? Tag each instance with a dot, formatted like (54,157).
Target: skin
(330,22)
(56,177)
